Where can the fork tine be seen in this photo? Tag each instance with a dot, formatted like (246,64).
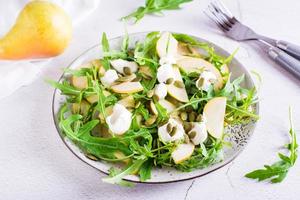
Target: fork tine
(225,11)
(220,15)
(210,15)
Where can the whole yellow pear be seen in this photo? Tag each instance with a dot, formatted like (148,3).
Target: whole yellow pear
(42,29)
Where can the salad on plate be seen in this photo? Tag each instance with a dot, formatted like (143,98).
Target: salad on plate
(163,103)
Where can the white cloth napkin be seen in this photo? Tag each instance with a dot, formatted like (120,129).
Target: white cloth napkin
(14,74)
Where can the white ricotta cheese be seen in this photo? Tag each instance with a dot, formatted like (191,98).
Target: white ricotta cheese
(109,77)
(119,65)
(166,137)
(205,80)
(120,120)
(161,90)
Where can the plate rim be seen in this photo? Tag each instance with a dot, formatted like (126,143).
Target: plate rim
(221,165)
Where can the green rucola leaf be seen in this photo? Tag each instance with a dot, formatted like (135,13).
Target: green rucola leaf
(118,178)
(278,171)
(155,6)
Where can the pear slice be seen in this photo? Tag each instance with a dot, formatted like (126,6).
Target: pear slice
(186,50)
(167,105)
(120,155)
(177,92)
(94,98)
(79,82)
(153,108)
(191,64)
(214,112)
(182,152)
(80,108)
(108,111)
(127,102)
(166,44)
(127,87)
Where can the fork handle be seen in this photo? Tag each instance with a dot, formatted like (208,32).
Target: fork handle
(292,49)
(285,60)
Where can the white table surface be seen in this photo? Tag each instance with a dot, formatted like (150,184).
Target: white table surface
(35,164)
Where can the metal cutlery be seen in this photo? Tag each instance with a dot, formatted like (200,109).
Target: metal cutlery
(283,53)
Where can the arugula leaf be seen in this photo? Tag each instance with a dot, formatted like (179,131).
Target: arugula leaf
(162,113)
(114,172)
(145,52)
(125,43)
(65,87)
(101,100)
(105,49)
(145,170)
(117,178)
(105,43)
(190,40)
(155,6)
(278,171)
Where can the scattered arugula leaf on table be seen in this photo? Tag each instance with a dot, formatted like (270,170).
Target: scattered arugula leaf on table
(155,6)
(278,171)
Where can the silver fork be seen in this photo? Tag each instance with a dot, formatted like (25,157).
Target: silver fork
(283,53)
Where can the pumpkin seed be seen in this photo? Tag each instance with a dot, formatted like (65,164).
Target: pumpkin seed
(137,79)
(192,116)
(189,109)
(126,78)
(127,71)
(150,120)
(163,123)
(200,82)
(173,132)
(199,118)
(155,98)
(150,93)
(145,72)
(192,134)
(187,126)
(183,116)
(186,138)
(179,84)
(170,81)
(169,128)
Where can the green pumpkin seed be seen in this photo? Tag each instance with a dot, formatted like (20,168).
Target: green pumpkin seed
(169,128)
(200,82)
(137,79)
(173,132)
(183,116)
(187,126)
(145,72)
(179,84)
(192,134)
(192,116)
(150,120)
(155,98)
(199,118)
(127,71)
(189,109)
(170,81)
(186,139)
(126,78)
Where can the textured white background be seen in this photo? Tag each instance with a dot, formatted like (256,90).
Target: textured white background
(35,164)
